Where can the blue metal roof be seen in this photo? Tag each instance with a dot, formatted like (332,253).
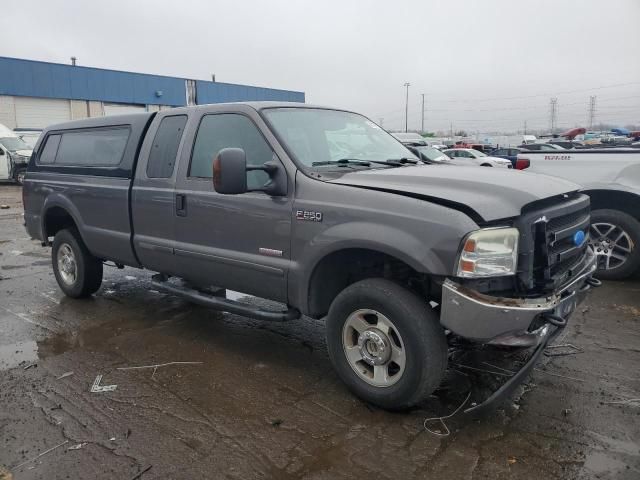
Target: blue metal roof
(215,92)
(54,80)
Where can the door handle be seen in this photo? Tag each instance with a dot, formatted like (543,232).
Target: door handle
(181,205)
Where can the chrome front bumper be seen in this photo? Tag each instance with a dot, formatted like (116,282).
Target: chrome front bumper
(507,321)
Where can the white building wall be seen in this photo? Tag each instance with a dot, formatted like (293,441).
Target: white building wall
(7,112)
(79,109)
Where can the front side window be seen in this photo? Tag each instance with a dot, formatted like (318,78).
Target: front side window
(315,135)
(162,158)
(98,147)
(229,130)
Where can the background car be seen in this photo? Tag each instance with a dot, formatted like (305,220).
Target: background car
(474,157)
(508,153)
(567,144)
(428,154)
(410,137)
(541,147)
(30,137)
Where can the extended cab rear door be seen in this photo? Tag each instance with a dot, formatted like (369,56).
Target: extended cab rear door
(153,208)
(240,242)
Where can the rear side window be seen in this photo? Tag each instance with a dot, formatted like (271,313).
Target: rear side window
(98,147)
(50,149)
(229,131)
(162,158)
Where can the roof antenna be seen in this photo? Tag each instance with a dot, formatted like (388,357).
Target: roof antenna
(73,61)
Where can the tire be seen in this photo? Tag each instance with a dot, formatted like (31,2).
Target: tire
(83,274)
(19,177)
(416,332)
(615,238)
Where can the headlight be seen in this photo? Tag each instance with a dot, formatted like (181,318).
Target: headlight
(490,252)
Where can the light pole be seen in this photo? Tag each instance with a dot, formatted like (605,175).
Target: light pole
(422,130)
(406,109)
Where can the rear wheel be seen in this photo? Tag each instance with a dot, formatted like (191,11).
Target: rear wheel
(78,273)
(615,237)
(386,344)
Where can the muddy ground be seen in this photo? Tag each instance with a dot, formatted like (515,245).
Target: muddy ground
(263,401)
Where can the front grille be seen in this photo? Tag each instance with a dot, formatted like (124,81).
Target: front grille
(548,254)
(566,220)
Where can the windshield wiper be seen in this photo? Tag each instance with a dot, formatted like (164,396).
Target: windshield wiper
(401,161)
(392,162)
(343,162)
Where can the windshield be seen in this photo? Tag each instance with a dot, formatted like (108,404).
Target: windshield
(432,154)
(478,153)
(14,143)
(316,135)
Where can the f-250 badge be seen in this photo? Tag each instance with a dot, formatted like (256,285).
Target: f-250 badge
(309,216)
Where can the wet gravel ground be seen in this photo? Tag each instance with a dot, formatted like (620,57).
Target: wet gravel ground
(263,401)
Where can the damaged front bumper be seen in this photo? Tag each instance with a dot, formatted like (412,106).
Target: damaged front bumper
(517,322)
(513,322)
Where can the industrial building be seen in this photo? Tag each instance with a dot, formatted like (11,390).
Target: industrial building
(36,94)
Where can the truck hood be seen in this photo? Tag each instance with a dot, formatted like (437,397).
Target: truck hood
(491,193)
(24,153)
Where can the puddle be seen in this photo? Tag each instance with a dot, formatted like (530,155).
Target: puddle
(15,353)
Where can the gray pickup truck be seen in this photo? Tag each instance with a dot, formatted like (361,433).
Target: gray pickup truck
(323,211)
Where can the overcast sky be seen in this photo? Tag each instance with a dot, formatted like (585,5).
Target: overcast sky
(483,65)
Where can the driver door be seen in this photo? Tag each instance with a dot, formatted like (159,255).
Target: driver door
(239,242)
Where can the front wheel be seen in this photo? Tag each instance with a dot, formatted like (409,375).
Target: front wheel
(615,238)
(386,344)
(78,273)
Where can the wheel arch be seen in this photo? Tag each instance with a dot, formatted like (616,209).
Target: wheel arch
(338,269)
(57,214)
(626,202)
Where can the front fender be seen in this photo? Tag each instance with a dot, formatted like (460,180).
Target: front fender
(426,255)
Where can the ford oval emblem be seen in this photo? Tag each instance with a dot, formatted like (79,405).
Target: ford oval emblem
(578,238)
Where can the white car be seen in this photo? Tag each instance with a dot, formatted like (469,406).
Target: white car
(474,157)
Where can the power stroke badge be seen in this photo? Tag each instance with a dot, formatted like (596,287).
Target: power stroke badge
(308,216)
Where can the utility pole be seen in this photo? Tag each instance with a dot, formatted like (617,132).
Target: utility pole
(525,127)
(553,106)
(406,108)
(422,128)
(451,130)
(592,110)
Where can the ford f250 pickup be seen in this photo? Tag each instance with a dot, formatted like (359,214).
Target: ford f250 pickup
(611,177)
(323,211)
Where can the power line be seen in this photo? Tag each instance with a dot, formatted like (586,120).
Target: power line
(601,87)
(422,128)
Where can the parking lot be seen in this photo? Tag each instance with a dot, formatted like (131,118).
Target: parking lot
(260,400)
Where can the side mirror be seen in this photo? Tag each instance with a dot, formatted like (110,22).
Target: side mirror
(230,171)
(230,174)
